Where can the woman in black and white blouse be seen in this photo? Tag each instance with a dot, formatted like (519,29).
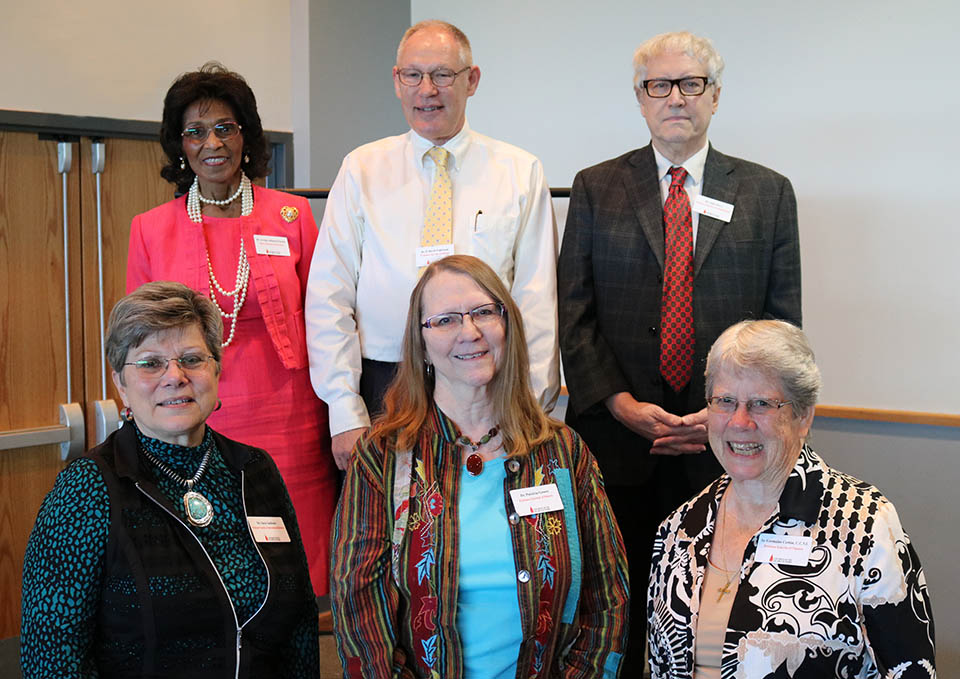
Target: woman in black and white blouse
(783,567)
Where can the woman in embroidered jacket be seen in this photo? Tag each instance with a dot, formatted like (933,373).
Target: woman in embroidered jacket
(473,538)
(146,559)
(783,567)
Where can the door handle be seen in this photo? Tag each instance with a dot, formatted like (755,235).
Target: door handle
(69,433)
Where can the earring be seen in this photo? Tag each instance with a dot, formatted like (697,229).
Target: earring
(127,414)
(246,158)
(429,369)
(219,405)
(183,165)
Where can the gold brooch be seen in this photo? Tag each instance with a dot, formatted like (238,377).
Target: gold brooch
(289,213)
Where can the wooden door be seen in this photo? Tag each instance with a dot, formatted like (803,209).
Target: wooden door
(129,184)
(33,343)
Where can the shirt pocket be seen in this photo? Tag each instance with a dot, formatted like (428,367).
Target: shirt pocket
(493,241)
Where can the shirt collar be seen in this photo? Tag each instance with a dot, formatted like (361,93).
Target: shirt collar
(457,146)
(693,165)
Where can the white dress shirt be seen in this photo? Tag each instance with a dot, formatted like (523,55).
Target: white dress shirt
(364,266)
(694,165)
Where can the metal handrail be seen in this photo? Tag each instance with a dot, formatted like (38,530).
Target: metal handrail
(555,192)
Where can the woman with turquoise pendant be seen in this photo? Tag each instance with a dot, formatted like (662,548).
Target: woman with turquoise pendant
(168,550)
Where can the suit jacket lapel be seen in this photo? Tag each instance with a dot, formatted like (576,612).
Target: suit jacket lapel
(720,183)
(643,189)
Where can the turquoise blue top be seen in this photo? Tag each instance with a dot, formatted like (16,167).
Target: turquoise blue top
(488,611)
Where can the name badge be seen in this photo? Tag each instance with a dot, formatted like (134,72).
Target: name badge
(536,499)
(271,245)
(268,529)
(431,253)
(790,550)
(711,207)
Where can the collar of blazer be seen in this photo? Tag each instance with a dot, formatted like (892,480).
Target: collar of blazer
(643,190)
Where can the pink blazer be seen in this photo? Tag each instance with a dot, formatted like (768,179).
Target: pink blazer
(166,246)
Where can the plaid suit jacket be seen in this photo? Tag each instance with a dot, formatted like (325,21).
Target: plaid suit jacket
(610,282)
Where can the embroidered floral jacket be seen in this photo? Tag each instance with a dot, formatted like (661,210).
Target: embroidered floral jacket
(571,567)
(859,608)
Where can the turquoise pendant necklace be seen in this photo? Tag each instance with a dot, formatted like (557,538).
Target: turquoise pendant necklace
(198,508)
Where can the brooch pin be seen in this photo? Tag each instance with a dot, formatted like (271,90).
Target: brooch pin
(289,213)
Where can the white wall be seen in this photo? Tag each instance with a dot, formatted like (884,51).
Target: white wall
(811,91)
(116,58)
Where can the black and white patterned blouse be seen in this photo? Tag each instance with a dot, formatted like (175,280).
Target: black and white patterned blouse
(858,609)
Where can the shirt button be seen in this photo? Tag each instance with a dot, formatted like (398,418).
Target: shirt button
(514,518)
(523,576)
(513,466)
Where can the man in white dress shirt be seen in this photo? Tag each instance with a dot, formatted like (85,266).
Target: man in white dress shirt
(370,249)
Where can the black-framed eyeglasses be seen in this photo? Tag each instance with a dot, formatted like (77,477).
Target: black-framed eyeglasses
(691,86)
(483,316)
(758,407)
(441,77)
(225,130)
(155,366)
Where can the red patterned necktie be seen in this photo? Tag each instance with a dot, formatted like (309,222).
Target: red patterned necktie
(676,311)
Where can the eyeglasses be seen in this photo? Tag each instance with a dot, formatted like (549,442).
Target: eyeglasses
(483,316)
(660,88)
(156,366)
(758,407)
(225,130)
(442,77)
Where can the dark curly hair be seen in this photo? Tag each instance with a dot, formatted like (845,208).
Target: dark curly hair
(212,81)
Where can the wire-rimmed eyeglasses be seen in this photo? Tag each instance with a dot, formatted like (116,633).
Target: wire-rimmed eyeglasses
(441,77)
(758,407)
(482,316)
(225,130)
(154,366)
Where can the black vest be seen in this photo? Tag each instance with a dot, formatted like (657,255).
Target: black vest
(164,612)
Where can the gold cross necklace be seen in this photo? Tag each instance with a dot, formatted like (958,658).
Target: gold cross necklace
(730,575)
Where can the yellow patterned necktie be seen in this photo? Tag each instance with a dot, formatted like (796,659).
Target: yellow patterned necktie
(438,222)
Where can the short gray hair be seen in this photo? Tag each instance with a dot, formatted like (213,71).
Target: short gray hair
(693,46)
(777,349)
(466,53)
(161,305)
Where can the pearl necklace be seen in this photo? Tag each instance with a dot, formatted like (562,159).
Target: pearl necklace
(239,292)
(199,510)
(194,198)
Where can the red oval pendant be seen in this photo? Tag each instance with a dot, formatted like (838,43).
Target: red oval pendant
(474,464)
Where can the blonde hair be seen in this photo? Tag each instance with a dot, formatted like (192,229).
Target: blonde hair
(409,398)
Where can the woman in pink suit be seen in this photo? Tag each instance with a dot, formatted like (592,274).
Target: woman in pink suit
(249,249)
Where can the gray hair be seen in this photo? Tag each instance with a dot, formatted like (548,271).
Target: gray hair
(161,305)
(693,46)
(466,53)
(777,349)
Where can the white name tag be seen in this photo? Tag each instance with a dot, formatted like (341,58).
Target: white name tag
(432,253)
(790,550)
(536,499)
(268,529)
(271,245)
(711,207)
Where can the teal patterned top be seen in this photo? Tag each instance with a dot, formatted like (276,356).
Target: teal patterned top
(63,569)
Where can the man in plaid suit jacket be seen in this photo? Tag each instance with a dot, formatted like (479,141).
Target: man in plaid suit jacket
(649,439)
